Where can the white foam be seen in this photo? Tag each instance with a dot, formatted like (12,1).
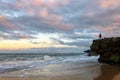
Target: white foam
(46,57)
(34,63)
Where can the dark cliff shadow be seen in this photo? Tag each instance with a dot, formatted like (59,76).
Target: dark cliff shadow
(108,72)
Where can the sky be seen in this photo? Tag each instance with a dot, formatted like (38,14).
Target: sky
(56,26)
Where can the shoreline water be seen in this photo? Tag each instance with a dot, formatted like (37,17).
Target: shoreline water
(94,72)
(56,67)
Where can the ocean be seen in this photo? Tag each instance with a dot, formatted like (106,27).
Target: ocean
(34,64)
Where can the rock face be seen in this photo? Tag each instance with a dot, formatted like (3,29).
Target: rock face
(108,49)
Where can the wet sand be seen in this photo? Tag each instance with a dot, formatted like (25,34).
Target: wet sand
(109,72)
(54,72)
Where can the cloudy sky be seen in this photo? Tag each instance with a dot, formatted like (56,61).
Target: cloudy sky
(56,25)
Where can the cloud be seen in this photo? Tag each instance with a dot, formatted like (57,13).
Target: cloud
(15,36)
(38,2)
(109,4)
(71,22)
(56,21)
(35,42)
(4,36)
(49,3)
(57,41)
(35,11)
(23,36)
(75,42)
(7,24)
(100,22)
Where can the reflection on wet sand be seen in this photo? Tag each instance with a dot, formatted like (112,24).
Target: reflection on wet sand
(109,72)
(96,72)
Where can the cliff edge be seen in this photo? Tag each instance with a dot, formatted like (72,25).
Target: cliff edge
(108,49)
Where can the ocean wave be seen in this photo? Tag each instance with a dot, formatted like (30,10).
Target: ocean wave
(41,61)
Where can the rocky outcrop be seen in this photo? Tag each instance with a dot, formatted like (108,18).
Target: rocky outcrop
(108,49)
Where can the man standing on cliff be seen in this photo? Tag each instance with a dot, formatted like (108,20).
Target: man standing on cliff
(100,43)
(100,36)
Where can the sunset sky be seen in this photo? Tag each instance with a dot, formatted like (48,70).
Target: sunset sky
(56,25)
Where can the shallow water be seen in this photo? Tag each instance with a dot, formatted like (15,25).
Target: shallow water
(20,65)
(56,67)
(68,72)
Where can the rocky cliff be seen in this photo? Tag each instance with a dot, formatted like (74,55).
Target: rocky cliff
(108,49)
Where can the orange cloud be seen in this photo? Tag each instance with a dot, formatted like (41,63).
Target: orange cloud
(43,8)
(38,2)
(109,3)
(49,3)
(52,2)
(56,21)
(43,13)
(7,24)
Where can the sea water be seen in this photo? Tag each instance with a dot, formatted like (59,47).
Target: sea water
(27,62)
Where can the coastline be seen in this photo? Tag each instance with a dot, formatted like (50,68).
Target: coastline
(108,49)
(56,72)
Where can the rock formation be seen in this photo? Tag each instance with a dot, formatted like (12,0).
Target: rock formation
(108,49)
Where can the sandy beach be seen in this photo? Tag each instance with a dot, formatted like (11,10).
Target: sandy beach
(69,72)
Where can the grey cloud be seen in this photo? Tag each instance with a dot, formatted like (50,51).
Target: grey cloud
(91,16)
(77,14)
(15,36)
(58,41)
(3,36)
(23,36)
(36,24)
(80,36)
(35,42)
(86,16)
(98,19)
(78,43)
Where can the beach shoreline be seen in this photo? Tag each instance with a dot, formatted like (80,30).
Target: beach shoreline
(58,72)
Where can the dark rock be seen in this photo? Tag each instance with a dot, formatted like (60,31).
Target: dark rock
(87,51)
(108,49)
(90,53)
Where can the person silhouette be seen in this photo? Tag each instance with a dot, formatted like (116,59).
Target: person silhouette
(100,35)
(100,42)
